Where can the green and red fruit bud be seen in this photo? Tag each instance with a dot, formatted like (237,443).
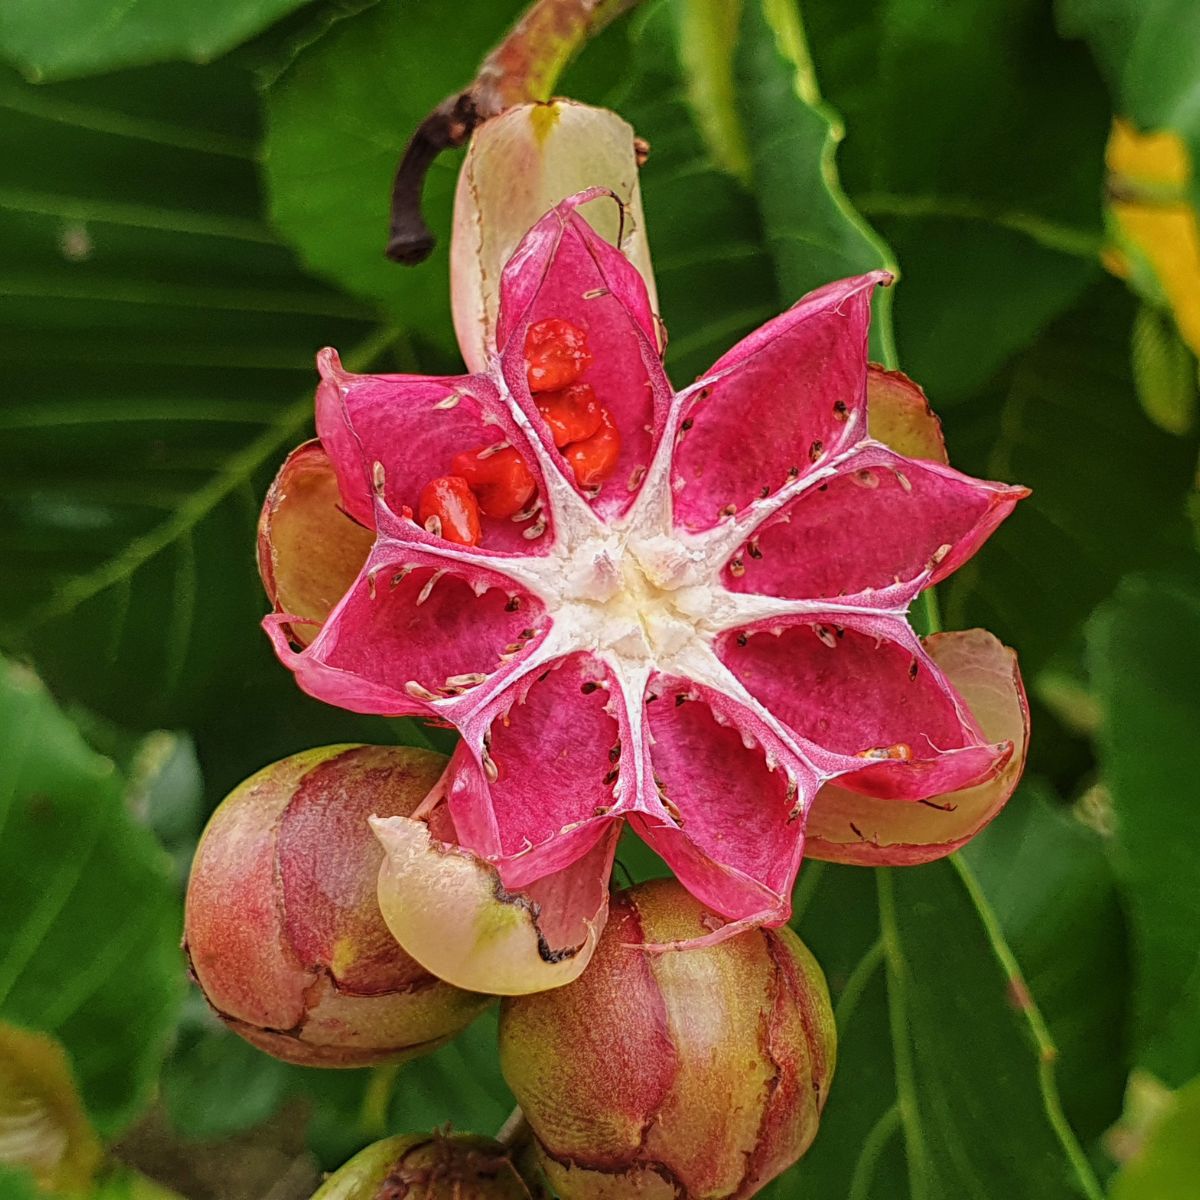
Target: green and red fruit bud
(282,926)
(520,165)
(680,1074)
(427,1166)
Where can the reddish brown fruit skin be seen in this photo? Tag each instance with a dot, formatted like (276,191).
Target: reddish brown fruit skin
(427,1166)
(689,1075)
(282,927)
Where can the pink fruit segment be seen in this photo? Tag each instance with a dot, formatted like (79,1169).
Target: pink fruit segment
(880,527)
(706,643)
(388,435)
(564,270)
(544,776)
(410,632)
(856,689)
(781,404)
(727,802)
(848,827)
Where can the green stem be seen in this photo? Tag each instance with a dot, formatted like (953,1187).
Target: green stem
(377,1099)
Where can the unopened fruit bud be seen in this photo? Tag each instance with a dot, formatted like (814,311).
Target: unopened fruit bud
(679,1074)
(282,925)
(427,1166)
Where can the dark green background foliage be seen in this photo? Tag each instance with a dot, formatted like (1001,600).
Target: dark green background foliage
(194,201)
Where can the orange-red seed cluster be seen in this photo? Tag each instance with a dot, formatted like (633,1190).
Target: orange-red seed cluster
(496,482)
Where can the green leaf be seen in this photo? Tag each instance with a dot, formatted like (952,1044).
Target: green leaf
(1143,649)
(338,120)
(1049,880)
(714,274)
(56,39)
(975,146)
(214,1083)
(17,1184)
(158,366)
(1108,487)
(1149,51)
(1168,1165)
(812,232)
(89,945)
(329,176)
(945,1079)
(1164,371)
(459,1084)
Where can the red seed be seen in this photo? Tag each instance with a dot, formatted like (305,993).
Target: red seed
(572,414)
(450,500)
(595,459)
(556,354)
(501,482)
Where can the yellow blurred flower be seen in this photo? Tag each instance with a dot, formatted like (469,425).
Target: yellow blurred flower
(1157,243)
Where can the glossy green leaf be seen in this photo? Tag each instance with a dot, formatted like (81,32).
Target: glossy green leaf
(158,366)
(1108,486)
(1167,1166)
(56,39)
(460,1084)
(975,146)
(214,1083)
(330,178)
(714,274)
(1149,51)
(1143,649)
(338,120)
(89,943)
(1050,882)
(811,230)
(945,1079)
(1164,371)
